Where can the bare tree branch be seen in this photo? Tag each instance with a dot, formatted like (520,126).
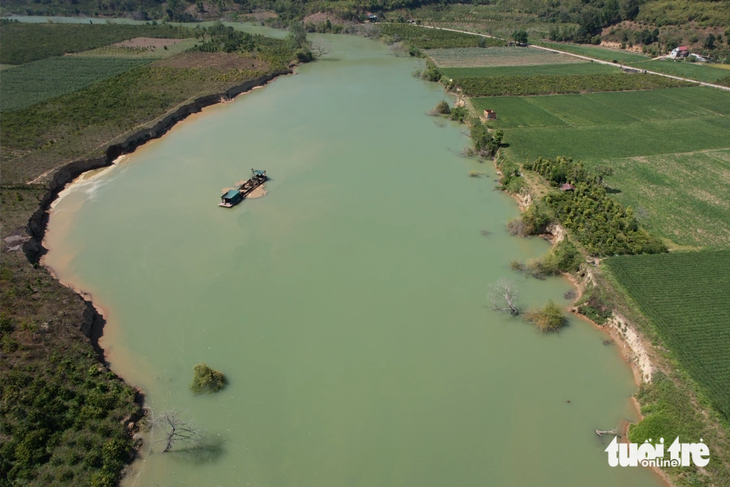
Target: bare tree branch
(319,48)
(176,430)
(504,296)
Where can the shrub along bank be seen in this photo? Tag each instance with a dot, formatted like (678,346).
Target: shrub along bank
(598,222)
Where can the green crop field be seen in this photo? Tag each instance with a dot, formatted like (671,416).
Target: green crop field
(574,83)
(686,296)
(698,71)
(674,142)
(538,70)
(42,80)
(517,111)
(597,52)
(425,38)
(497,56)
(683,197)
(601,142)
(25,42)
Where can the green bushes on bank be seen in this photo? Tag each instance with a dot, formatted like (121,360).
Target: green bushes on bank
(599,223)
(533,221)
(64,420)
(548,318)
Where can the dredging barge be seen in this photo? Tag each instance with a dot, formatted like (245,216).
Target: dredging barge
(232,197)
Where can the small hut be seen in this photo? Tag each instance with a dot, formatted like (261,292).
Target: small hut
(490,114)
(567,187)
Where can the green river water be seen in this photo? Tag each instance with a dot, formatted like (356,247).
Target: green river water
(347,307)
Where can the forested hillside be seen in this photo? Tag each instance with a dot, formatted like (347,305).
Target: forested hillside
(590,15)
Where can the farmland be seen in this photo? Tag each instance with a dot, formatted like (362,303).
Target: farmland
(698,71)
(24,43)
(543,70)
(683,192)
(576,83)
(423,38)
(496,56)
(686,298)
(498,19)
(138,52)
(45,79)
(622,57)
(680,196)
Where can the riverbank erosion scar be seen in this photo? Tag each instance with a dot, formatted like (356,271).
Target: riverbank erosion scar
(38,222)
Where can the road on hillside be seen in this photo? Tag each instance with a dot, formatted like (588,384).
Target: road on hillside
(587,58)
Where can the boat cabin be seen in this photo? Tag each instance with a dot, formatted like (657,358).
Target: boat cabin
(231,198)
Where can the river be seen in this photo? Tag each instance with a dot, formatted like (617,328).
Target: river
(347,307)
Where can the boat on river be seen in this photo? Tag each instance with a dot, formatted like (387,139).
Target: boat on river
(234,196)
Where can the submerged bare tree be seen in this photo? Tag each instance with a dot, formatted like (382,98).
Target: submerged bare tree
(319,48)
(504,297)
(176,430)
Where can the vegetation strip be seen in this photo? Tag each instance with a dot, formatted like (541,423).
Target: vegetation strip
(530,70)
(546,85)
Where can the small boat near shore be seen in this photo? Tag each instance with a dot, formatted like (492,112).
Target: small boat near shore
(232,197)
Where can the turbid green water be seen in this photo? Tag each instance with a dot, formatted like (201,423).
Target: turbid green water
(347,307)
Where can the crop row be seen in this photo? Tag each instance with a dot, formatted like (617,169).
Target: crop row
(425,38)
(685,296)
(545,85)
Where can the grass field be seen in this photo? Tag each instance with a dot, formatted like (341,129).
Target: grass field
(593,142)
(539,70)
(669,149)
(496,56)
(686,296)
(683,197)
(45,79)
